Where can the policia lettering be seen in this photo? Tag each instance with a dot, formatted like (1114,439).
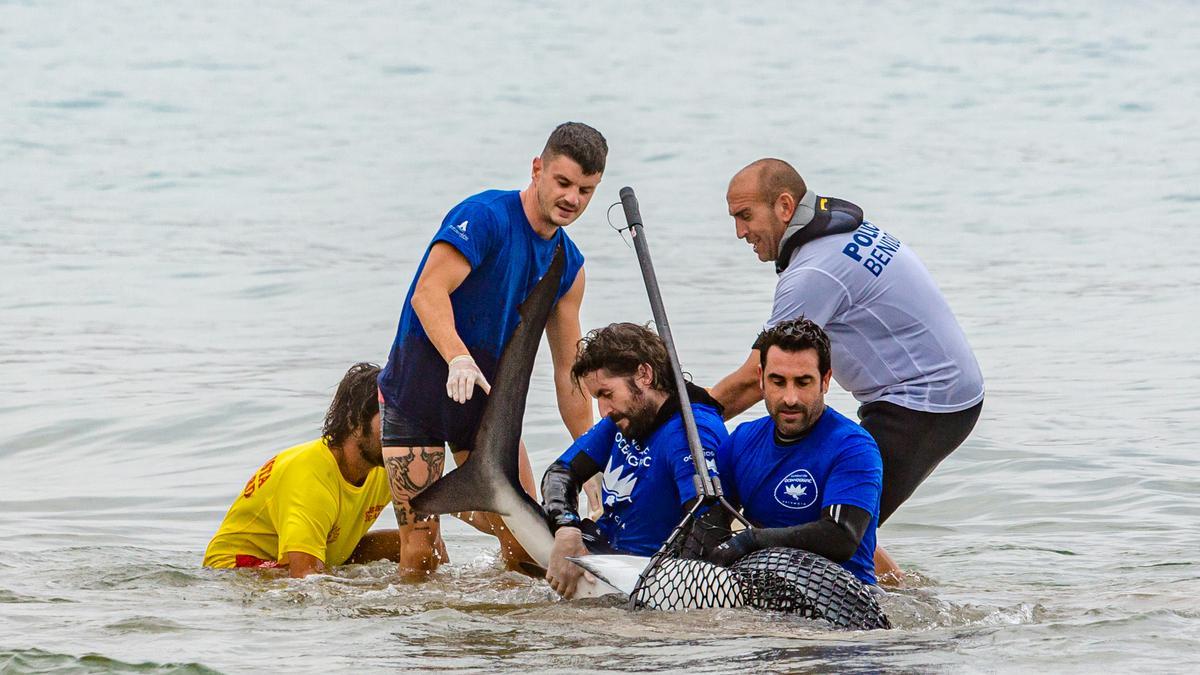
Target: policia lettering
(881,248)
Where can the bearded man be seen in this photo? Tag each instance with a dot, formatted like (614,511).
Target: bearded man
(640,445)
(309,508)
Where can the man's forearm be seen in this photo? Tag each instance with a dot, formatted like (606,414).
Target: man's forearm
(836,535)
(436,313)
(574,406)
(739,390)
(302,564)
(560,495)
(377,545)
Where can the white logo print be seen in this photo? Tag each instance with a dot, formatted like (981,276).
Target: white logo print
(461,229)
(616,486)
(797,490)
(709,458)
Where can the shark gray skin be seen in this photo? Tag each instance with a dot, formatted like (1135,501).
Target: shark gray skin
(488,480)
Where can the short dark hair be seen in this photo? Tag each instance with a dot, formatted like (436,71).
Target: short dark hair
(581,143)
(620,348)
(795,335)
(354,405)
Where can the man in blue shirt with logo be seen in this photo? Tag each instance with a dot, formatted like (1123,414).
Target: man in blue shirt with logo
(640,446)
(461,310)
(805,476)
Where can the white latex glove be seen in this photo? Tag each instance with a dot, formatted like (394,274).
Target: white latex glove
(464,375)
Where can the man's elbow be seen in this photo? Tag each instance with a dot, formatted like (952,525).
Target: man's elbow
(420,298)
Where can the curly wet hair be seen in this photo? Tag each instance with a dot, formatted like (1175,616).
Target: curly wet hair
(620,348)
(354,405)
(795,335)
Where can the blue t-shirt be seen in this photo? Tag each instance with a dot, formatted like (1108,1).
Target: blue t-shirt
(507,259)
(646,484)
(838,462)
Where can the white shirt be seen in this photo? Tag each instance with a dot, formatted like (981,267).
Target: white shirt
(892,335)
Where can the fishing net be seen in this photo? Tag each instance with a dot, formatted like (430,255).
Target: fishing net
(697,536)
(779,579)
(795,581)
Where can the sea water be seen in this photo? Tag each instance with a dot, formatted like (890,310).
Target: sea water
(209,211)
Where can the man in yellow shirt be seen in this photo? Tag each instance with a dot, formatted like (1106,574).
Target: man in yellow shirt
(310,507)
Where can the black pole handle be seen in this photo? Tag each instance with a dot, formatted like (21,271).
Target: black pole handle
(633,216)
(704,482)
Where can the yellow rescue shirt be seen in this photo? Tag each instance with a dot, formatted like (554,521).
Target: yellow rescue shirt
(299,501)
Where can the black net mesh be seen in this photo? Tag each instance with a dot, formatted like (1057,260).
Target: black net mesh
(791,580)
(778,579)
(697,538)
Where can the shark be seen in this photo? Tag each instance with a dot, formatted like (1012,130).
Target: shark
(489,481)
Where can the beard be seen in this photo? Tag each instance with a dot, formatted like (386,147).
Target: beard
(370,447)
(803,417)
(638,421)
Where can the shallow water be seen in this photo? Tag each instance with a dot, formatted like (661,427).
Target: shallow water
(207,213)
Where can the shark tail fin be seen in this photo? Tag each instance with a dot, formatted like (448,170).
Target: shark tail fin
(490,477)
(466,488)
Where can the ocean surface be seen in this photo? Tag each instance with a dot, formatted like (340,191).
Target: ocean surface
(208,211)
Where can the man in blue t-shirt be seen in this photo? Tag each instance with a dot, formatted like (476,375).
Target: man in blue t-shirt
(805,476)
(462,309)
(640,446)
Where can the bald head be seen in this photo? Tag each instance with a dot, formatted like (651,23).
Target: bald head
(762,199)
(772,178)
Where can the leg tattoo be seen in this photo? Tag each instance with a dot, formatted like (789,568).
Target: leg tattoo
(409,474)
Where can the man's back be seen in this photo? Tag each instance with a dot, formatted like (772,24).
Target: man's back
(893,336)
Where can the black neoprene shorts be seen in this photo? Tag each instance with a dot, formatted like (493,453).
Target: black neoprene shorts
(912,444)
(401,431)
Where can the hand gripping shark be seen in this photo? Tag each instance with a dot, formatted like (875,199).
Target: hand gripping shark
(779,579)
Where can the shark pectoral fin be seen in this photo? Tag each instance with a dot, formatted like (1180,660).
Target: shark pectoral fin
(460,490)
(619,571)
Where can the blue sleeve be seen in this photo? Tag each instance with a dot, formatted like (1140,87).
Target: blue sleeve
(856,478)
(725,469)
(571,273)
(470,228)
(596,443)
(681,470)
(711,435)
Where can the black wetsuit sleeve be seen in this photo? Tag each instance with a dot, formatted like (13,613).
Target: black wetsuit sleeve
(835,536)
(560,490)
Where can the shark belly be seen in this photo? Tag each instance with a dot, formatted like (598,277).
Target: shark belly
(528,527)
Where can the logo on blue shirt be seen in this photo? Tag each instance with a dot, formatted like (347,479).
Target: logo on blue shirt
(461,229)
(797,490)
(616,485)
